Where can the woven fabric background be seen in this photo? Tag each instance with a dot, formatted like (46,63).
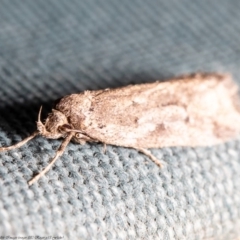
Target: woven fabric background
(52,48)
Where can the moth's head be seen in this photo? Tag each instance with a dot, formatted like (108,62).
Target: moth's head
(56,125)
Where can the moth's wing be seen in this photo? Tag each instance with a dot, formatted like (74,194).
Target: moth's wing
(189,111)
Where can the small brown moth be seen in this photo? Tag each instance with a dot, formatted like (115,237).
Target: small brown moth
(192,110)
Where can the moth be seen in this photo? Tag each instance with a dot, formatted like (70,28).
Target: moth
(193,110)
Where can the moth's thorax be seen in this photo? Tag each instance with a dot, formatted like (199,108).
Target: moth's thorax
(77,108)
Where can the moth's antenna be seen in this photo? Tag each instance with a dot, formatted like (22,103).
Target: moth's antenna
(40,126)
(17,145)
(39,114)
(57,155)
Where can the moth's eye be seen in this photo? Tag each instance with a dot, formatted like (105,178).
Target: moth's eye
(78,135)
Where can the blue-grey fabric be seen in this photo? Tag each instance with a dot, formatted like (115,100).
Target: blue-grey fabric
(52,48)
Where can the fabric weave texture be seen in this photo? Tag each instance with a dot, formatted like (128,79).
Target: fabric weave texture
(49,49)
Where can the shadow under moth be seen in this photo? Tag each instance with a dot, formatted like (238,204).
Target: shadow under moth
(192,110)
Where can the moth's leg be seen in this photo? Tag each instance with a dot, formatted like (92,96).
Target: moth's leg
(17,145)
(57,155)
(81,138)
(150,155)
(82,142)
(104,148)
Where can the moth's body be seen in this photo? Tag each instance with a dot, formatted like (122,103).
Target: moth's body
(195,110)
(192,111)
